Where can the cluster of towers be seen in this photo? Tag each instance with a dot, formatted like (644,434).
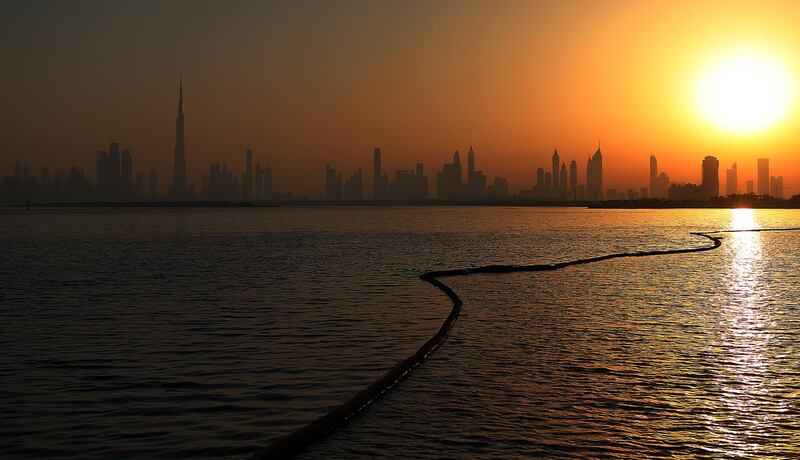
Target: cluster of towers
(115,180)
(709,186)
(408,185)
(560,184)
(449,184)
(221,184)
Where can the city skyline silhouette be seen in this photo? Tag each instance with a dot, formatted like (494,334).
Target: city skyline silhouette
(251,229)
(260,86)
(115,181)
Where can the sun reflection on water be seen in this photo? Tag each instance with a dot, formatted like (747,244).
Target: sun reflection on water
(744,331)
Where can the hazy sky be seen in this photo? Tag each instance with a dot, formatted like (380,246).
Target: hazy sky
(310,83)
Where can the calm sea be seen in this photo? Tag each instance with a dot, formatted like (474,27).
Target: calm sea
(146,333)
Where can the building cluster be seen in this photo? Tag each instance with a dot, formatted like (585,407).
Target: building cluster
(408,185)
(254,184)
(450,186)
(709,186)
(69,186)
(412,184)
(659,182)
(116,181)
(560,184)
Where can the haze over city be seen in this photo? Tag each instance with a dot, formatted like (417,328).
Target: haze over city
(467,229)
(314,84)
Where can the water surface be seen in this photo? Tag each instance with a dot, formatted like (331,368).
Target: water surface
(208,333)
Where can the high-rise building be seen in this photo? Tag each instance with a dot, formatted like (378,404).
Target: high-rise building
(138,190)
(247,177)
(763,176)
(662,185)
(179,190)
(126,175)
(594,177)
(562,182)
(749,187)
(655,192)
(333,184)
(114,166)
(776,186)
(476,180)
(380,181)
(376,174)
(556,162)
(731,181)
(573,180)
(152,184)
(268,183)
(448,180)
(258,182)
(409,185)
(103,185)
(470,162)
(353,187)
(500,187)
(710,183)
(540,188)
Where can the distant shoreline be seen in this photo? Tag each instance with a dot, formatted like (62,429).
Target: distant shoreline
(743,201)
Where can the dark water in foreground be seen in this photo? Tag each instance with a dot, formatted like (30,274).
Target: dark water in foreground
(208,333)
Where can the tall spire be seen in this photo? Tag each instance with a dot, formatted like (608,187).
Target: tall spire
(179,190)
(180,95)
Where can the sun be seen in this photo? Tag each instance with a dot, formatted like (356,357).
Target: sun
(744,91)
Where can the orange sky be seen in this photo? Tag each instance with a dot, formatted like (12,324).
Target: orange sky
(325,82)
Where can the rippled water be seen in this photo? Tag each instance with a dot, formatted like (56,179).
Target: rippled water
(208,333)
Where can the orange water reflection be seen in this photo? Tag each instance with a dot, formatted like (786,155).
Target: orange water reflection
(744,337)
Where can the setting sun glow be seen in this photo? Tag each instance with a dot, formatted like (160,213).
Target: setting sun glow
(744,92)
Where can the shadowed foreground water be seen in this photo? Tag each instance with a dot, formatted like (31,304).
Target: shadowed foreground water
(209,333)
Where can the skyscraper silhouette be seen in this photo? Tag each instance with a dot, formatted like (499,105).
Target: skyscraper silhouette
(448,180)
(732,181)
(540,188)
(126,175)
(268,183)
(114,166)
(470,163)
(573,180)
(380,181)
(247,177)
(179,191)
(152,184)
(555,173)
(654,189)
(776,186)
(763,176)
(353,187)
(594,177)
(333,184)
(710,184)
(476,180)
(258,182)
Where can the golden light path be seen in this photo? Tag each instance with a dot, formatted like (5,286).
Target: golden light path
(744,335)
